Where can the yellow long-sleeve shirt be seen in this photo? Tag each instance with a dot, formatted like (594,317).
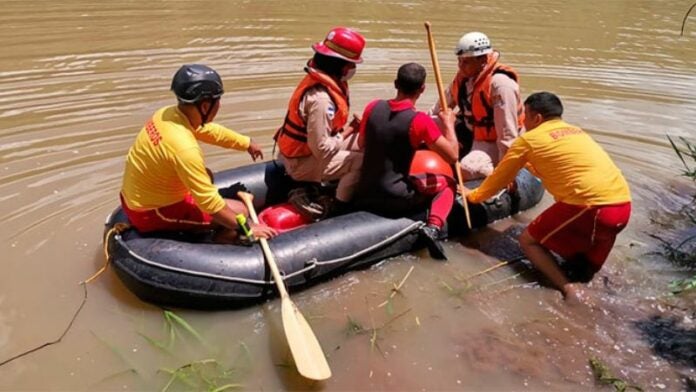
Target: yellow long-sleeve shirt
(166,162)
(571,165)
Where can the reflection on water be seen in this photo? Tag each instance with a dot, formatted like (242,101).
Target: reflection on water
(78,78)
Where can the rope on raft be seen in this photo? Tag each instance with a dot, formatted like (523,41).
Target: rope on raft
(117,229)
(311,263)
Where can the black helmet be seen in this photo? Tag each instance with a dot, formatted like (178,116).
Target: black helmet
(195,82)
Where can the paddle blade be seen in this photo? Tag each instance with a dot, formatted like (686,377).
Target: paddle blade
(306,351)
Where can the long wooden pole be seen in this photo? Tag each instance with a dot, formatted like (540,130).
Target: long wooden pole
(443,106)
(304,346)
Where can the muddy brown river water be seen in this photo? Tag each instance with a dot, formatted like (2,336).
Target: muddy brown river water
(79,78)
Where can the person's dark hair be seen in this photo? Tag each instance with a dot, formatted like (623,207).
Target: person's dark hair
(332,66)
(545,103)
(410,78)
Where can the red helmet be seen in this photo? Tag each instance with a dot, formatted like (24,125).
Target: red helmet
(343,43)
(427,161)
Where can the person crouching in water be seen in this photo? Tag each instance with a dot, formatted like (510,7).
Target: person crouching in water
(166,186)
(593,201)
(391,131)
(316,140)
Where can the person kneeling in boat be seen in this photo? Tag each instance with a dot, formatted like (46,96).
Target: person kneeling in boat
(593,201)
(391,132)
(166,186)
(316,141)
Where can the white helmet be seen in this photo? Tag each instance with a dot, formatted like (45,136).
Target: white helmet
(473,44)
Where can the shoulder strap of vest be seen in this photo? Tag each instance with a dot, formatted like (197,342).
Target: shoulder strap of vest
(509,71)
(495,68)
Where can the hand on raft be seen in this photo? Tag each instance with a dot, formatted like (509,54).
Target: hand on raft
(260,230)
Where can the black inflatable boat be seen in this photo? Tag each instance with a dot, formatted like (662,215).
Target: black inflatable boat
(178,270)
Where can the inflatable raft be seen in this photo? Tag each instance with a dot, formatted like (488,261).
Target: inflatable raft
(178,270)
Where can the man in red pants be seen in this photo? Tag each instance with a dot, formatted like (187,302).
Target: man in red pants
(166,186)
(593,201)
(391,131)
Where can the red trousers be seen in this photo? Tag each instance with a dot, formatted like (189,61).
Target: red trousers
(442,189)
(588,231)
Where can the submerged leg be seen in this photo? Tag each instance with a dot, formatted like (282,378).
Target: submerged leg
(544,261)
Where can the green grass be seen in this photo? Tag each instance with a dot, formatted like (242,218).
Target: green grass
(202,375)
(680,286)
(687,152)
(682,254)
(208,374)
(605,377)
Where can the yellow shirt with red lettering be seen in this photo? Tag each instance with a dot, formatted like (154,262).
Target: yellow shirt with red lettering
(571,165)
(166,162)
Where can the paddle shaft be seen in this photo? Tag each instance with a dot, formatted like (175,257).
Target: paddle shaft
(274,269)
(304,346)
(461,192)
(277,278)
(443,106)
(436,66)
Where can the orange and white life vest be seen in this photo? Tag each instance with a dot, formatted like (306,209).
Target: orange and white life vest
(481,121)
(292,135)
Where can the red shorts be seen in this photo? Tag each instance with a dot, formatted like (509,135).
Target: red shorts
(573,231)
(184,215)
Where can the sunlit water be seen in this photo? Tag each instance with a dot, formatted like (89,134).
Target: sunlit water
(79,78)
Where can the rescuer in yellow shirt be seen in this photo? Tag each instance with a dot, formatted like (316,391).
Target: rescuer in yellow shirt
(593,201)
(166,185)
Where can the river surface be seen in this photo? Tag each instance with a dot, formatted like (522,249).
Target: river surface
(79,78)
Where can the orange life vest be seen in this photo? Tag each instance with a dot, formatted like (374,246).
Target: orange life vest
(481,121)
(292,135)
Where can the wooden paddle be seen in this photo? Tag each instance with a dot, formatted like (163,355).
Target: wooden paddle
(306,351)
(443,106)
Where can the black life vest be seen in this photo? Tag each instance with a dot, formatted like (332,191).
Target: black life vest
(388,152)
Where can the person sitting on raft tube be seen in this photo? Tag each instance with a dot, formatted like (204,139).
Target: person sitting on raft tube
(593,201)
(166,186)
(316,140)
(490,114)
(391,131)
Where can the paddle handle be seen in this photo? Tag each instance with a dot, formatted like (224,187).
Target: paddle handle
(248,200)
(443,106)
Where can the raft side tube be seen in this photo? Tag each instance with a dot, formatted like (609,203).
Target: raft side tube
(175,270)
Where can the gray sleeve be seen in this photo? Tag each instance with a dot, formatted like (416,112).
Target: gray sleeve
(319,110)
(505,94)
